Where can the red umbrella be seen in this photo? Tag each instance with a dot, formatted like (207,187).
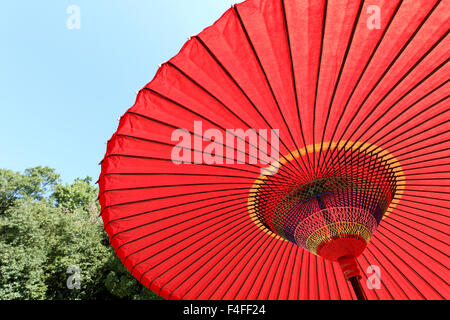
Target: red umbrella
(293,150)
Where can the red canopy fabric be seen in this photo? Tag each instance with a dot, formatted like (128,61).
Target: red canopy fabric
(337,86)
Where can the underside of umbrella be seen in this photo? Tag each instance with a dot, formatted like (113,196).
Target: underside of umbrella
(293,150)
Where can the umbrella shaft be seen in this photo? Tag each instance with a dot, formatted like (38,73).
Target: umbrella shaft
(357,288)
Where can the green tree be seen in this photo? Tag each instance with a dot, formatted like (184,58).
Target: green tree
(119,282)
(47,227)
(34,183)
(79,195)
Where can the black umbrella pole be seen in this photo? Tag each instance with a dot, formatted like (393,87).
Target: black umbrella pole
(357,288)
(353,275)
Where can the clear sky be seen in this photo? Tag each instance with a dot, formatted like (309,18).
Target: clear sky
(62,90)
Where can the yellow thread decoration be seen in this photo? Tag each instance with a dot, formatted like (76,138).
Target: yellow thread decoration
(383,156)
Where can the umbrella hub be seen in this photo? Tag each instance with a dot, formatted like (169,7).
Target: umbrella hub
(332,211)
(335,211)
(334,215)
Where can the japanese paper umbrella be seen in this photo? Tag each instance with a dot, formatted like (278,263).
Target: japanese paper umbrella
(293,150)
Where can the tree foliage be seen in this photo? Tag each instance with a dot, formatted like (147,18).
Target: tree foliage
(47,228)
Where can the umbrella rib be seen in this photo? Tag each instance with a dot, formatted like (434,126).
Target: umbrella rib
(383,165)
(183,204)
(188,149)
(316,278)
(428,211)
(428,76)
(250,177)
(415,115)
(427,185)
(322,41)
(245,204)
(256,233)
(396,267)
(300,273)
(428,197)
(430,191)
(331,265)
(375,152)
(237,216)
(414,87)
(236,11)
(415,247)
(363,256)
(243,92)
(424,130)
(200,151)
(284,270)
(423,161)
(284,273)
(220,102)
(209,93)
(265,240)
(225,157)
(420,231)
(262,267)
(429,179)
(177,185)
(425,154)
(294,81)
(359,157)
(176,174)
(178,195)
(203,215)
(178,214)
(341,70)
(429,93)
(411,268)
(391,19)
(424,203)
(425,197)
(280,257)
(377,259)
(172,196)
(381,280)
(294,263)
(423,217)
(169,160)
(308,265)
(150,119)
(178,205)
(195,261)
(212,122)
(408,131)
(386,72)
(128,242)
(203,255)
(429,146)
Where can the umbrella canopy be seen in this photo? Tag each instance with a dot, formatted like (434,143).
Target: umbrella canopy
(293,150)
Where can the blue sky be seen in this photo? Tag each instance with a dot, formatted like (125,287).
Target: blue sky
(62,90)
